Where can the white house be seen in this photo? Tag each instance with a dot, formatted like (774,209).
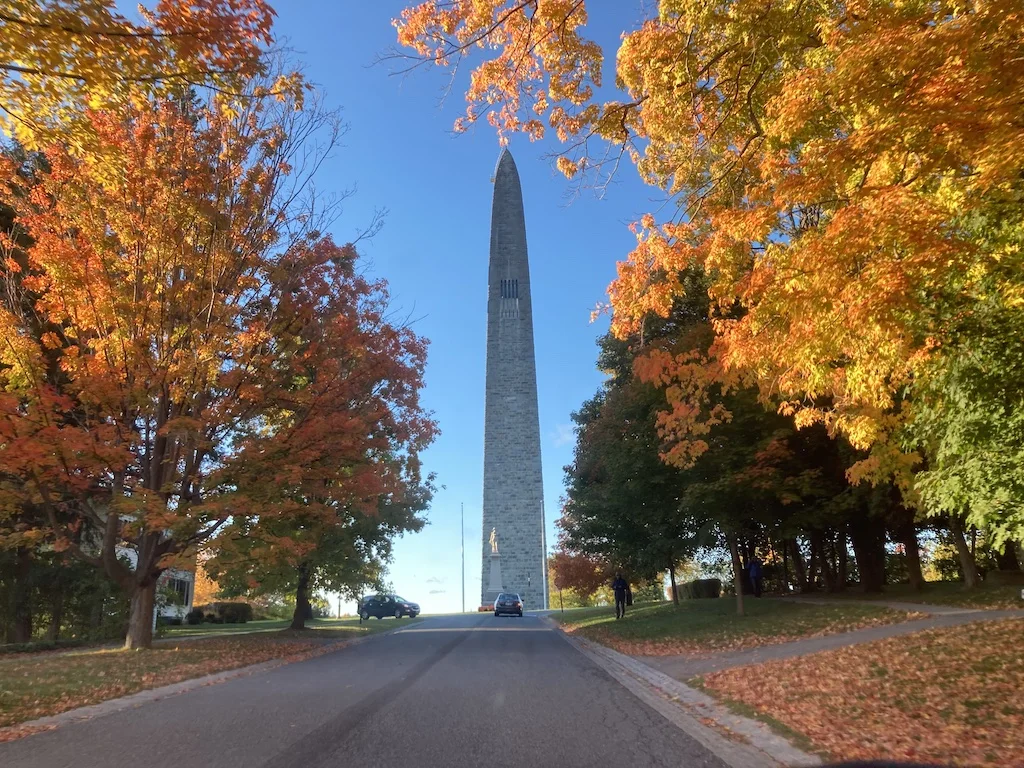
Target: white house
(175,589)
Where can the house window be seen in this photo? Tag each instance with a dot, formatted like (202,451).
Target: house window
(178,591)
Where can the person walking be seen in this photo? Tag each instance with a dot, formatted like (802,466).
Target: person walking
(620,588)
(756,579)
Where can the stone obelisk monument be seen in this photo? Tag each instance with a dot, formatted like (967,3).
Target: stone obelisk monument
(513,487)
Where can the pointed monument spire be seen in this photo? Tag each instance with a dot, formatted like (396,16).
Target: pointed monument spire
(513,487)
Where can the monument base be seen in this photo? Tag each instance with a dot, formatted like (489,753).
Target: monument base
(495,585)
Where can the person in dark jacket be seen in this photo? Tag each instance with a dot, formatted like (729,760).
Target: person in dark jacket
(620,588)
(756,579)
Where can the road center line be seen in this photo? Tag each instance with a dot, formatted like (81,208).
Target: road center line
(472,629)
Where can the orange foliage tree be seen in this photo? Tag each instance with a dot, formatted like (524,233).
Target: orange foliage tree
(351,478)
(59,58)
(578,572)
(832,165)
(180,345)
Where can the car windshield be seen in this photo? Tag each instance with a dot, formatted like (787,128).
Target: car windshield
(400,599)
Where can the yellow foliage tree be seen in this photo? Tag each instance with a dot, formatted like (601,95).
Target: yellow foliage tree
(205,590)
(60,59)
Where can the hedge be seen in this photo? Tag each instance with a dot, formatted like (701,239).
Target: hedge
(222,613)
(701,588)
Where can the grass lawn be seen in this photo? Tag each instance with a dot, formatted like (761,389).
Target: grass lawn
(949,696)
(708,626)
(941,593)
(210,630)
(33,685)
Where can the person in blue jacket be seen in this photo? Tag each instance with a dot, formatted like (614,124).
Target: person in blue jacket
(620,588)
(756,579)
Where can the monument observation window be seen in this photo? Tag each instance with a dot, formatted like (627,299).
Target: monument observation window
(509,289)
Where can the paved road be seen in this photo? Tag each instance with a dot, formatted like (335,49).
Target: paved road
(450,691)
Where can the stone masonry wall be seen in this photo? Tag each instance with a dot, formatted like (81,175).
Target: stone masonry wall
(513,486)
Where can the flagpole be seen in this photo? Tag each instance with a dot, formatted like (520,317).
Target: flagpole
(462,539)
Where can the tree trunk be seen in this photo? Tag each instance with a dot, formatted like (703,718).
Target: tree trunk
(970,570)
(672,581)
(737,571)
(785,567)
(819,552)
(798,565)
(813,563)
(1007,559)
(96,614)
(907,536)
(302,606)
(140,621)
(868,536)
(21,598)
(843,560)
(56,614)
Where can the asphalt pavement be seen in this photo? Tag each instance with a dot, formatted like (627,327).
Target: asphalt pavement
(449,691)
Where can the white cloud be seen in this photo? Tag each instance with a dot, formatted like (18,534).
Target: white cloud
(436,592)
(563,435)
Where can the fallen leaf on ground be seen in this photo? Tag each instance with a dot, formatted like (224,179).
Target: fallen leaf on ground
(951,695)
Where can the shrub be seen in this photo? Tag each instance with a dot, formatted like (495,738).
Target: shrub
(42,645)
(701,588)
(235,613)
(169,621)
(212,618)
(1005,578)
(195,616)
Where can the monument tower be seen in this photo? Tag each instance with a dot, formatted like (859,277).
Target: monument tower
(513,488)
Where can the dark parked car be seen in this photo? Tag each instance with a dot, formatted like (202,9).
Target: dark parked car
(387,605)
(508,602)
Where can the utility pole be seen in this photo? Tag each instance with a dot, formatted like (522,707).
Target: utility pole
(462,545)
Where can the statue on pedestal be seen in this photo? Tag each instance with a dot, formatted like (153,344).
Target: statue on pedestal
(495,583)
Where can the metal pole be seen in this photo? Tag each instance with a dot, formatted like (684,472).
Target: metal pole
(462,545)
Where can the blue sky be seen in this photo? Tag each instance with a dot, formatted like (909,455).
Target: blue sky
(400,154)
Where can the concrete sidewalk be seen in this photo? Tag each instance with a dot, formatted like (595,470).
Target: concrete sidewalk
(896,605)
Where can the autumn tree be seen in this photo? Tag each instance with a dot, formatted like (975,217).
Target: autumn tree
(623,502)
(577,572)
(344,545)
(205,589)
(354,479)
(188,300)
(61,59)
(842,171)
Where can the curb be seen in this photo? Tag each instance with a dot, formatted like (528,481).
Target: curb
(139,698)
(738,741)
